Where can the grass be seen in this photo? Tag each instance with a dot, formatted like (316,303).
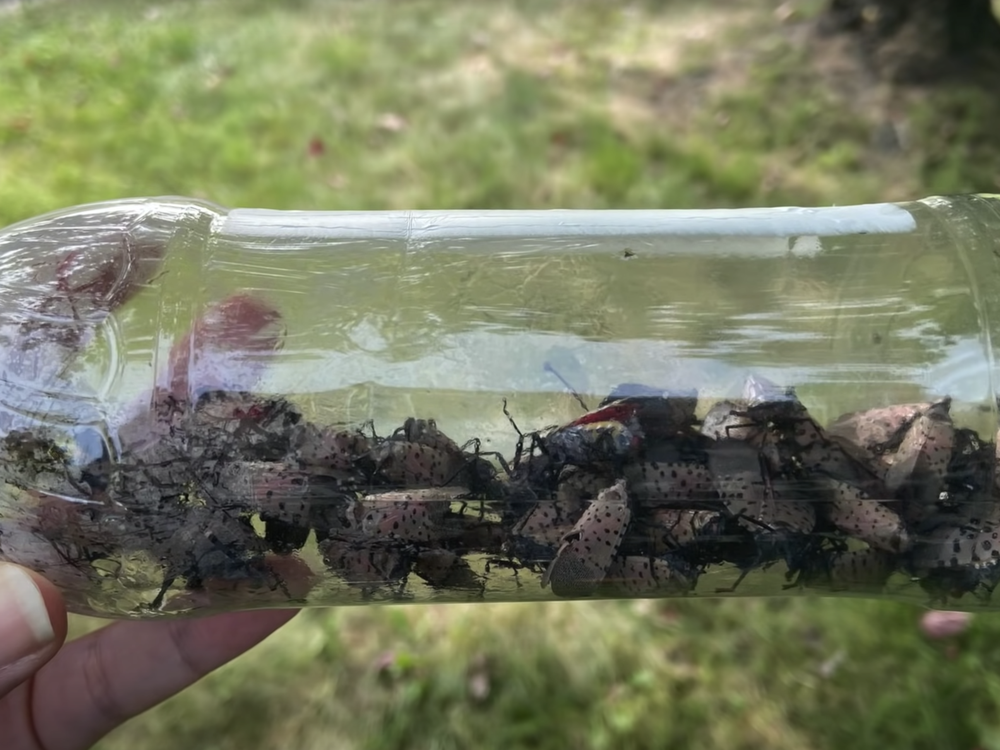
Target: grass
(428,104)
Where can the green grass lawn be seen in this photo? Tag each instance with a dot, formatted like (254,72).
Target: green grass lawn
(434,104)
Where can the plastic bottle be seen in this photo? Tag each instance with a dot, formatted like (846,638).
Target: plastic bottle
(207,410)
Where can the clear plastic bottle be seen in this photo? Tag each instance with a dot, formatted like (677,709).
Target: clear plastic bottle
(206,410)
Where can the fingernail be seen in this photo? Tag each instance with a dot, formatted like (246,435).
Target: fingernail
(24,620)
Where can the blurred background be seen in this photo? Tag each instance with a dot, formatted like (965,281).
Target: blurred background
(350,104)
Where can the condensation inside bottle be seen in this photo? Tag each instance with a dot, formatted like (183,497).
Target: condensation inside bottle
(206,410)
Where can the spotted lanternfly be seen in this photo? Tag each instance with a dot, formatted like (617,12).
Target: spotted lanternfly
(442,568)
(780,527)
(857,570)
(537,535)
(538,532)
(956,563)
(415,465)
(415,516)
(652,483)
(420,455)
(921,461)
(729,420)
(790,440)
(767,401)
(579,484)
(373,568)
(282,496)
(293,578)
(591,443)
(619,428)
(829,457)
(853,512)
(587,551)
(747,493)
(81,533)
(201,544)
(254,426)
(695,534)
(875,432)
(725,421)
(972,470)
(649,576)
(658,414)
(190,542)
(962,555)
(426,432)
(326,448)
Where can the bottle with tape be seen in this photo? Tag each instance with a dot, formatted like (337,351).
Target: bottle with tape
(205,410)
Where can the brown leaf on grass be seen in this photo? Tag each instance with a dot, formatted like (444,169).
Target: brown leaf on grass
(316,147)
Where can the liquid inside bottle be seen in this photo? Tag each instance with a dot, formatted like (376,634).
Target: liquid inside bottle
(206,410)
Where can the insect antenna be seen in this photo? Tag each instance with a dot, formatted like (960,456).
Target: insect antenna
(552,371)
(519,450)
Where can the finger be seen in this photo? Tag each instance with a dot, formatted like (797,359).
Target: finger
(32,624)
(101,680)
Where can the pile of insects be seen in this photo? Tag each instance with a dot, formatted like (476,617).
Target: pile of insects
(637,497)
(222,490)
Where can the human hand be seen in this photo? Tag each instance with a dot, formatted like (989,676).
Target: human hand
(66,697)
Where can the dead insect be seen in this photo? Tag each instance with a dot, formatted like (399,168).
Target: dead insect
(652,483)
(80,533)
(875,432)
(536,535)
(961,555)
(426,432)
(789,440)
(198,544)
(415,465)
(249,425)
(781,527)
(586,552)
(609,442)
(853,571)
(701,537)
(659,414)
(972,471)
(535,538)
(612,435)
(920,463)
(445,569)
(344,454)
(649,576)
(725,420)
(379,570)
(854,513)
(418,516)
(283,497)
(419,455)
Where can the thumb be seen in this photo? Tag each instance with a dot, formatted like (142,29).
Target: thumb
(32,624)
